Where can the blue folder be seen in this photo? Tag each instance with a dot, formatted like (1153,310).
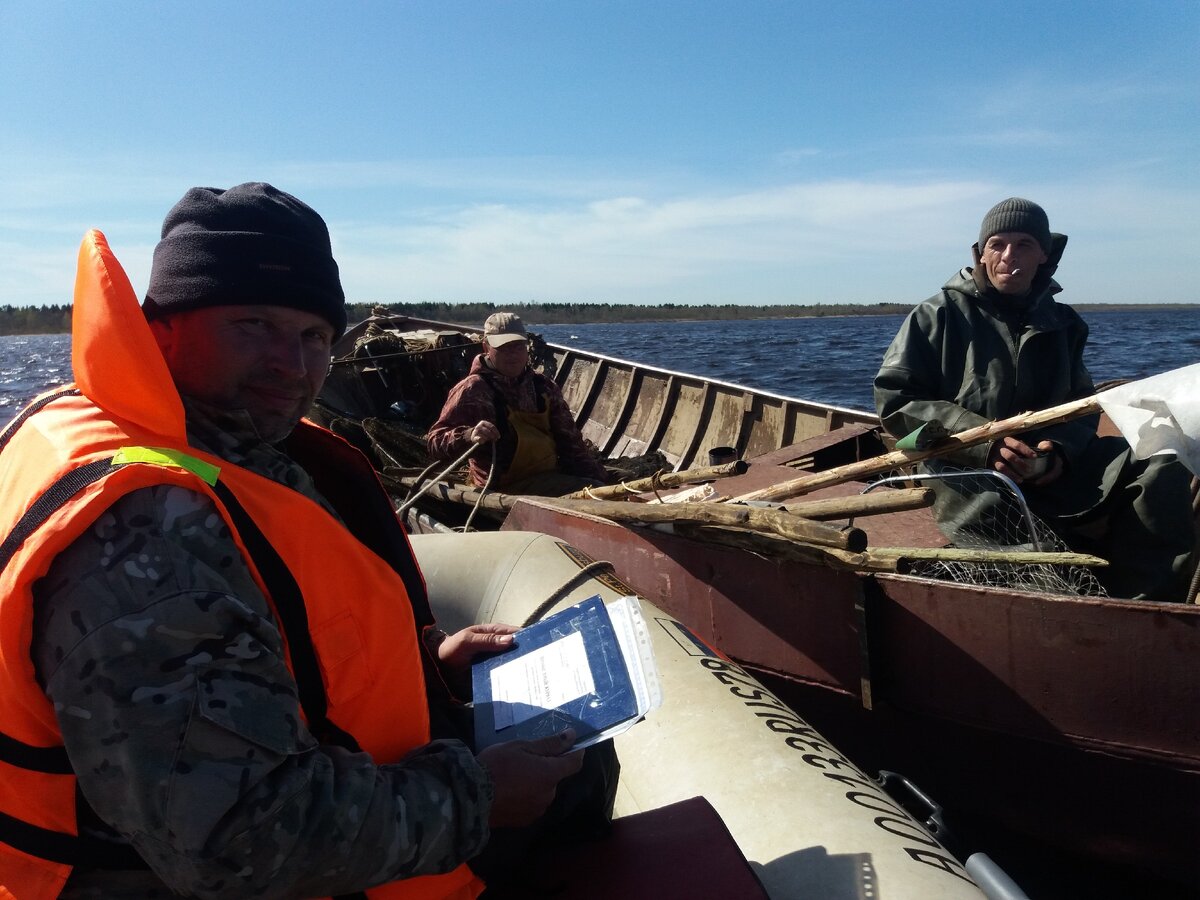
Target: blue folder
(611,702)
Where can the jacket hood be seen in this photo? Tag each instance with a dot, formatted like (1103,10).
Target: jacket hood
(116,361)
(1045,272)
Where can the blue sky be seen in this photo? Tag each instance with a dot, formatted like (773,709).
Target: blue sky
(625,152)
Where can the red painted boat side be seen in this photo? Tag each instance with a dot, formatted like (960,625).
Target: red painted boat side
(1071,720)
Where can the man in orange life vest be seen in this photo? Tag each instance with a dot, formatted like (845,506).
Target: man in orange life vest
(219,673)
(518,417)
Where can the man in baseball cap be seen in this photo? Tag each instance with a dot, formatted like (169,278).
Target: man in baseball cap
(504,328)
(527,437)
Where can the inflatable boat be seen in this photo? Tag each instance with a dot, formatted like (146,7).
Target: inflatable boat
(808,821)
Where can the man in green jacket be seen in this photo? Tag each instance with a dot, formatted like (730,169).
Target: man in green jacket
(994,343)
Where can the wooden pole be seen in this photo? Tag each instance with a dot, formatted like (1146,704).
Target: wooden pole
(727,515)
(774,547)
(878,503)
(663,480)
(876,559)
(998,557)
(831,508)
(981,434)
(451,493)
(718,515)
(774,521)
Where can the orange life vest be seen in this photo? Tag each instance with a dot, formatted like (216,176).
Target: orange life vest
(72,453)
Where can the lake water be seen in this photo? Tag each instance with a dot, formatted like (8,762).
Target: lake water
(28,365)
(831,360)
(834,360)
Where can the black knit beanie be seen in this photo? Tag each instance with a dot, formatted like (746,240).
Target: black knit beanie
(251,244)
(1015,214)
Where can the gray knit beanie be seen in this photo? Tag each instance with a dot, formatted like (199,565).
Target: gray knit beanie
(1015,214)
(251,244)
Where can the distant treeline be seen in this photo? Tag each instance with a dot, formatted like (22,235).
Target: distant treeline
(595,313)
(35,319)
(57,319)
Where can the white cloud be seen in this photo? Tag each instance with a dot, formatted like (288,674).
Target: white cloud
(843,241)
(402,233)
(633,248)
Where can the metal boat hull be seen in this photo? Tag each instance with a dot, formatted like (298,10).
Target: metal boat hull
(1069,720)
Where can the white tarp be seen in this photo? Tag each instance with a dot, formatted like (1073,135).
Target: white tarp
(1159,414)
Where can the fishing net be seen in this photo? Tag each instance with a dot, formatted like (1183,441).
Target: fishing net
(541,356)
(632,468)
(976,510)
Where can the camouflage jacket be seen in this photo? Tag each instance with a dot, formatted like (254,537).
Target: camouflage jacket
(158,582)
(473,400)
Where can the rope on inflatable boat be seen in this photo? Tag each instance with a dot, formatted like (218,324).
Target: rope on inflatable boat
(450,468)
(482,491)
(588,571)
(402,510)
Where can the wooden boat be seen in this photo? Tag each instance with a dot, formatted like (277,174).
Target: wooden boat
(400,377)
(1039,719)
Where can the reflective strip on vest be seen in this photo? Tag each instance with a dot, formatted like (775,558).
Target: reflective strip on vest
(165,456)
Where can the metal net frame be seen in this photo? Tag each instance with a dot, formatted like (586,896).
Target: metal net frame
(1005,524)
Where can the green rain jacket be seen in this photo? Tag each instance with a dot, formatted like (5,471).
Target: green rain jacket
(969,355)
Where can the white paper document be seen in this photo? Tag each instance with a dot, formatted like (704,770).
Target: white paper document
(542,679)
